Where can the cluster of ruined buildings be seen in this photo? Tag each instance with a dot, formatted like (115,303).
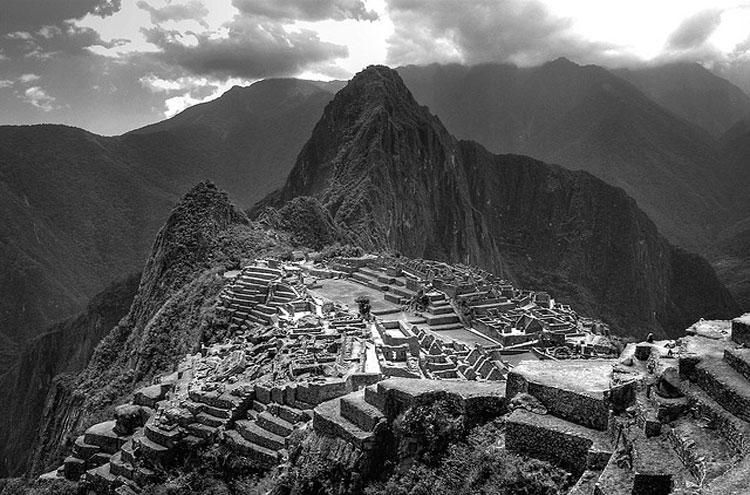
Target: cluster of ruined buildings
(303,352)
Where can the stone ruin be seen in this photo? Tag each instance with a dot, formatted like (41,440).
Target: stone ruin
(662,417)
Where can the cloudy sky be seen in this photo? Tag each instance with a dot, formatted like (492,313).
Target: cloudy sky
(114,65)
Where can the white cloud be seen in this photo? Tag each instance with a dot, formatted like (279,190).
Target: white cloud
(39,98)
(27,78)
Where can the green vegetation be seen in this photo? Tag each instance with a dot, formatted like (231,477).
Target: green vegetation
(22,486)
(473,465)
(213,471)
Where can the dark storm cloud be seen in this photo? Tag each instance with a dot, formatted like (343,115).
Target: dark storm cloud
(517,31)
(26,15)
(249,50)
(194,10)
(306,10)
(695,30)
(49,41)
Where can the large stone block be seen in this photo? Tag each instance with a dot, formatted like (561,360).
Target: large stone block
(741,329)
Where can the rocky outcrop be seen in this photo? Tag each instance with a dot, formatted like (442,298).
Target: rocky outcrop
(391,174)
(204,236)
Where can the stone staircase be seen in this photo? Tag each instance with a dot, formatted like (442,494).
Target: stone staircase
(393,286)
(354,417)
(441,314)
(263,435)
(717,390)
(244,300)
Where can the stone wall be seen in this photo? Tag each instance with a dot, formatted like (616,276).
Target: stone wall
(741,329)
(581,409)
(570,450)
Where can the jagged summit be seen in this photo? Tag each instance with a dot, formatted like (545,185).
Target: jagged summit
(393,177)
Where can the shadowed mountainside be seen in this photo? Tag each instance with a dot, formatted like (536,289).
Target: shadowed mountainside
(586,118)
(64,349)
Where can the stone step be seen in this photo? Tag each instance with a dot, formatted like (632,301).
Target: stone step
(73,468)
(125,490)
(127,452)
(374,398)
(403,292)
(393,298)
(98,459)
(449,326)
(291,414)
(118,467)
(274,424)
(253,433)
(150,449)
(214,398)
(260,316)
(207,419)
(469,295)
(656,467)
(327,419)
(356,409)
(385,311)
(586,483)
(101,478)
(362,278)
(261,455)
(616,478)
(440,310)
(219,412)
(254,279)
(446,319)
(725,385)
(83,450)
(386,279)
(739,359)
(167,438)
(202,431)
(435,296)
(103,436)
(264,271)
(732,429)
(703,451)
(578,448)
(248,286)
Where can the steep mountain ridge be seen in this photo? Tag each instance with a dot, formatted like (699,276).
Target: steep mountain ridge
(586,118)
(388,171)
(204,236)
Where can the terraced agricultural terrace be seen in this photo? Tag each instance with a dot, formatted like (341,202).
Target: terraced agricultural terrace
(339,349)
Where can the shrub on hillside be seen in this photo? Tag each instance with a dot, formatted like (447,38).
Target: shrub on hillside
(477,465)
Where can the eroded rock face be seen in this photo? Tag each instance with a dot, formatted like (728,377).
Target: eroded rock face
(393,177)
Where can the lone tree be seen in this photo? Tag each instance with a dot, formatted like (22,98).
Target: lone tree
(364,306)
